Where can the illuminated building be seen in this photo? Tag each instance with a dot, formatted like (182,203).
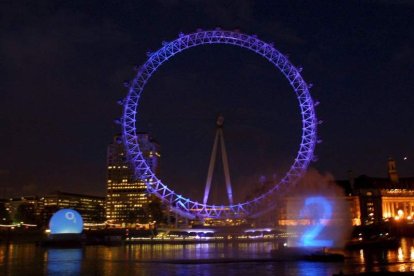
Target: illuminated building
(127,198)
(92,208)
(354,209)
(385,198)
(38,210)
(398,203)
(372,200)
(291,206)
(345,210)
(370,205)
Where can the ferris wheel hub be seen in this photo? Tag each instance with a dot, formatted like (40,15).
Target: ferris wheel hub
(220,121)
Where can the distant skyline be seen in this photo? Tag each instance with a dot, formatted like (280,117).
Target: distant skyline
(63,65)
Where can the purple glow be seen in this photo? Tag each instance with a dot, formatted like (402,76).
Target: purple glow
(259,229)
(185,206)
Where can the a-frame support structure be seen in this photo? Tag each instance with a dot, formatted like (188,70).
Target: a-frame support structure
(219,136)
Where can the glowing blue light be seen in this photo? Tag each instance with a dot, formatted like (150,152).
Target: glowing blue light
(67,260)
(66,221)
(308,238)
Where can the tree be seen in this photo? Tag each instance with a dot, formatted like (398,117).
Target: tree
(4,214)
(26,213)
(47,213)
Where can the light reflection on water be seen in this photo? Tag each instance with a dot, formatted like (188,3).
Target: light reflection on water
(68,259)
(28,259)
(400,259)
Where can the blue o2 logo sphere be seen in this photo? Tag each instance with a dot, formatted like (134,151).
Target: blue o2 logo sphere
(66,221)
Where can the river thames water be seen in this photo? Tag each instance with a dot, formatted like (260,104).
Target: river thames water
(160,259)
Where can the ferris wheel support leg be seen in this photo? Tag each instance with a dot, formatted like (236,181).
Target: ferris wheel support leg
(226,168)
(210,169)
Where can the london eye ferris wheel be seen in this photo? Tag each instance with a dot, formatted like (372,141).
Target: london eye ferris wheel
(184,205)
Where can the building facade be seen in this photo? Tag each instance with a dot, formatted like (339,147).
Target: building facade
(127,197)
(91,208)
(385,198)
(38,210)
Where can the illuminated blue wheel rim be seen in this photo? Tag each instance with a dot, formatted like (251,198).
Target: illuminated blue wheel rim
(185,206)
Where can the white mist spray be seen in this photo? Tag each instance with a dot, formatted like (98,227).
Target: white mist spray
(318,214)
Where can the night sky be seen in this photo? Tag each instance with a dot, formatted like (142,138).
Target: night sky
(63,64)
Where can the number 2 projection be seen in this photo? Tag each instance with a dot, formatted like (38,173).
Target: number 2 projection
(319,209)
